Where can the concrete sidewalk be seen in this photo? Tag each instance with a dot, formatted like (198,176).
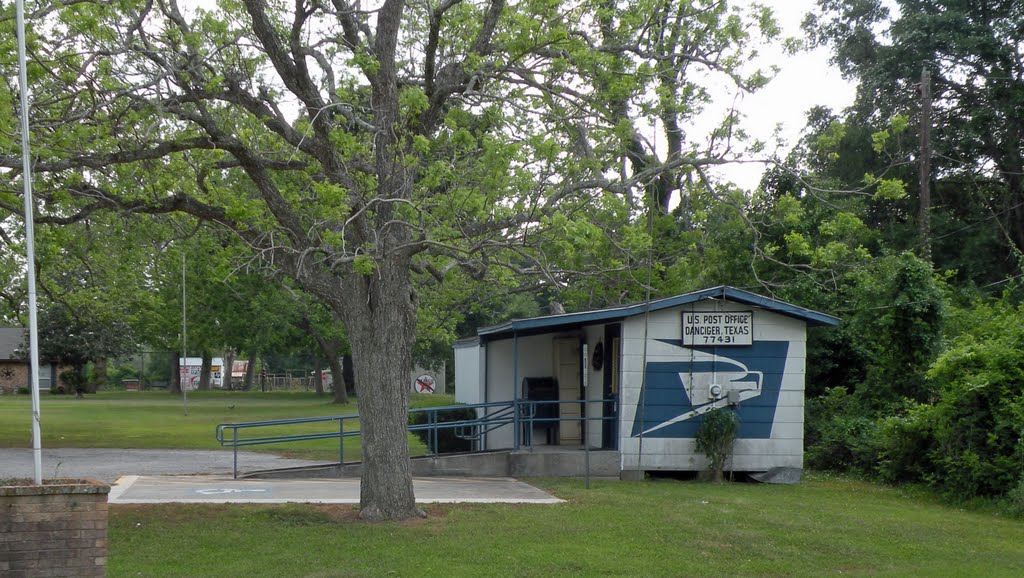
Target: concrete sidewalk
(200,476)
(224,489)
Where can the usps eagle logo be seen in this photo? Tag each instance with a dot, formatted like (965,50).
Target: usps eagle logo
(699,379)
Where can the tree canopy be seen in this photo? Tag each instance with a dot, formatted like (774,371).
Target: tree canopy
(355,146)
(973,52)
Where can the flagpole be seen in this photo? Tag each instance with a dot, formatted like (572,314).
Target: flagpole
(26,176)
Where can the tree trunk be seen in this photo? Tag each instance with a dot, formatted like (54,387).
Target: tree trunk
(329,348)
(1015,184)
(204,371)
(226,369)
(382,322)
(99,374)
(348,373)
(174,385)
(250,370)
(341,379)
(318,376)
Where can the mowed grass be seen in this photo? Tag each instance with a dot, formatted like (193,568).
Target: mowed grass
(824,526)
(118,419)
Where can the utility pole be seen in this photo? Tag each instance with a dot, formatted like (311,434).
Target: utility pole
(924,226)
(184,340)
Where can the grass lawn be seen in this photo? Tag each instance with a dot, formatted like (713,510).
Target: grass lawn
(118,419)
(824,526)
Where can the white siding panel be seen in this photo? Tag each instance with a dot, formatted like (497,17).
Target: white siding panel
(469,382)
(785,445)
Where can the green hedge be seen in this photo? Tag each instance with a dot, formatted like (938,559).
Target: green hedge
(447,440)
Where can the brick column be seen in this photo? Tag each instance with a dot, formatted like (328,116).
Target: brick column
(57,529)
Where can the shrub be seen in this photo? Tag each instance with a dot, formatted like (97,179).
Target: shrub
(1015,500)
(905,444)
(979,416)
(75,380)
(845,443)
(715,436)
(448,439)
(840,433)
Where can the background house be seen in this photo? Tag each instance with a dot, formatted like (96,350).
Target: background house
(14,363)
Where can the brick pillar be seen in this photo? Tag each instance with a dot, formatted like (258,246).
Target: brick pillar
(57,529)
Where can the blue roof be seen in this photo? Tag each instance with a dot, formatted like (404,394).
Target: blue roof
(566,321)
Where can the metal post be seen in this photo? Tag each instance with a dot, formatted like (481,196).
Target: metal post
(433,420)
(184,339)
(586,442)
(515,392)
(234,444)
(529,424)
(341,441)
(30,265)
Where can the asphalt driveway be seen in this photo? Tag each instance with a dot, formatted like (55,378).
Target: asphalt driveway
(107,465)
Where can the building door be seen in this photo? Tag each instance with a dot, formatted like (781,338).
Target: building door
(570,388)
(611,375)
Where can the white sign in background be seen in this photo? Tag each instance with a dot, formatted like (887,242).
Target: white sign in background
(718,328)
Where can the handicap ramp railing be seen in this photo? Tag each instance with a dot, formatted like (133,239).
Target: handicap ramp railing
(522,415)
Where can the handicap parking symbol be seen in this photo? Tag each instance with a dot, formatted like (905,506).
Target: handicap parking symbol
(217,491)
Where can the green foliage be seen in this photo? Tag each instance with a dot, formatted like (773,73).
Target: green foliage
(963,438)
(905,443)
(969,51)
(838,436)
(74,379)
(979,418)
(898,308)
(1015,500)
(886,189)
(76,339)
(715,436)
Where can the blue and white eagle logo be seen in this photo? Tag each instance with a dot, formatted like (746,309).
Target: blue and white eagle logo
(677,393)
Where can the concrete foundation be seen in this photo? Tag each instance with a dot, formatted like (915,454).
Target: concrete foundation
(497,464)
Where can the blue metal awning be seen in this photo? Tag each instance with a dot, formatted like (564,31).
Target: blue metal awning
(569,321)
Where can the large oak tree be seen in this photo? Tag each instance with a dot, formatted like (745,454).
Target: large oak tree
(355,145)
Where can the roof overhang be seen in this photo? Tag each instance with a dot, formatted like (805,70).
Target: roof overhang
(575,321)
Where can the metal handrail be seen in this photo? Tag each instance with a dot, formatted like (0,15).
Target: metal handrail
(517,413)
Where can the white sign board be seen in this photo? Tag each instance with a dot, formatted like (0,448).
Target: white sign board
(718,328)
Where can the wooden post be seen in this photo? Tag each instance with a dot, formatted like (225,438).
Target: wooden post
(925,165)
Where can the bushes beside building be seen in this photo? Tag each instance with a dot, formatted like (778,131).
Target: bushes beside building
(964,436)
(449,439)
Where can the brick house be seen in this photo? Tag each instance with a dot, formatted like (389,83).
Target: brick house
(14,364)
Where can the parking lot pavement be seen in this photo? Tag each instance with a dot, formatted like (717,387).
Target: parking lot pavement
(224,489)
(109,464)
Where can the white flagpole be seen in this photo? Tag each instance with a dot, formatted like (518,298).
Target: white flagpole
(26,176)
